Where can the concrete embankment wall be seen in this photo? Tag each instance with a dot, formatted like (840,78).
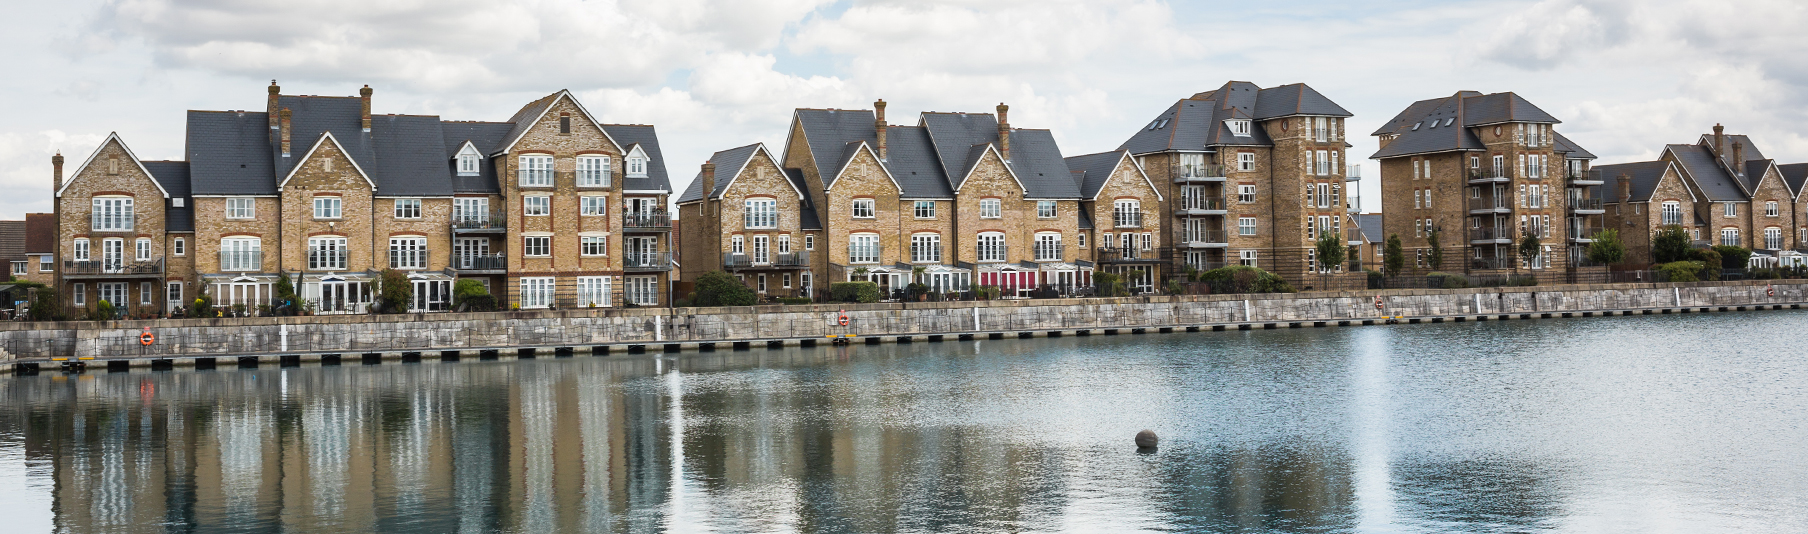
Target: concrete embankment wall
(648,326)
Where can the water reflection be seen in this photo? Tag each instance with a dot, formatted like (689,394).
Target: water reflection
(1548,426)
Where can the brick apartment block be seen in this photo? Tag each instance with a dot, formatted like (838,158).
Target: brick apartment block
(548,208)
(1721,190)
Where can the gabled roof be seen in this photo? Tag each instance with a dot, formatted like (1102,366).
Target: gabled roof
(410,157)
(112,137)
(1503,107)
(1197,123)
(1755,170)
(1702,169)
(12,241)
(530,114)
(1748,148)
(806,217)
(311,116)
(1570,149)
(828,131)
(1794,175)
(911,158)
(229,153)
(1372,230)
(1644,175)
(729,164)
(1430,126)
(326,137)
(486,137)
(853,150)
(955,135)
(1295,99)
(645,138)
(1092,171)
(173,176)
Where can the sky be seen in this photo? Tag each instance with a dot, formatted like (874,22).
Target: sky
(1624,76)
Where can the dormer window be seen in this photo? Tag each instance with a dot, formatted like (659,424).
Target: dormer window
(1238,127)
(637,163)
(468,159)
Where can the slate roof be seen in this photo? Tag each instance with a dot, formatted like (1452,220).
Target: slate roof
(1794,174)
(1444,124)
(313,116)
(1570,149)
(930,159)
(806,219)
(1372,230)
(229,153)
(728,163)
(1091,171)
(12,241)
(1502,107)
(174,177)
(956,136)
(524,118)
(630,135)
(410,156)
(1197,123)
(487,138)
(828,131)
(694,191)
(1754,173)
(1085,220)
(40,233)
(1037,160)
(1714,181)
(1644,174)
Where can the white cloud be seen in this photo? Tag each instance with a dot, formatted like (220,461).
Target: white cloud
(25,170)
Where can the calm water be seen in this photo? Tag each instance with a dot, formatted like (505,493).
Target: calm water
(1651,424)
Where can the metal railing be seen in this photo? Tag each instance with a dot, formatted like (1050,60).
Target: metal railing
(1587,175)
(1490,203)
(1132,254)
(1127,219)
(118,266)
(1585,233)
(1354,234)
(1192,202)
(993,254)
(415,258)
(1585,204)
(474,221)
(1202,170)
(646,219)
(919,254)
(1490,174)
(865,254)
(783,260)
(647,261)
(1050,253)
(1206,236)
(482,262)
(1491,233)
(1486,264)
(241,261)
(326,259)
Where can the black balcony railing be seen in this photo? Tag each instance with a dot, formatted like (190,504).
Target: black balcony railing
(408,258)
(1584,175)
(478,221)
(1486,203)
(1490,234)
(238,261)
(482,262)
(783,260)
(113,267)
(1133,254)
(1486,174)
(1585,204)
(1127,219)
(647,261)
(656,219)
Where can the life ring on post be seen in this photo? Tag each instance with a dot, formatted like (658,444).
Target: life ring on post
(843,319)
(1377,302)
(147,338)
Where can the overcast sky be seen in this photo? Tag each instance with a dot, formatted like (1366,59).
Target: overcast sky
(1625,76)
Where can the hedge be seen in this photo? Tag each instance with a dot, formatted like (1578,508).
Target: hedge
(854,292)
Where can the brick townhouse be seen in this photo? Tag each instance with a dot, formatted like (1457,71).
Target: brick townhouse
(1721,190)
(1250,176)
(963,196)
(1484,171)
(320,188)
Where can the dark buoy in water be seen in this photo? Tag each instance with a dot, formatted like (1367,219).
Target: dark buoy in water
(1146,439)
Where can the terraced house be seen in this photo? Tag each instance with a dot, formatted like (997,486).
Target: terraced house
(1483,172)
(320,188)
(1721,189)
(957,200)
(1252,176)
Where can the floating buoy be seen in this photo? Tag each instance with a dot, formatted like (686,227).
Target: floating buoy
(1146,439)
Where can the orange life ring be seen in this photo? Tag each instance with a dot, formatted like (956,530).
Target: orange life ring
(1770,291)
(1377,302)
(147,338)
(843,319)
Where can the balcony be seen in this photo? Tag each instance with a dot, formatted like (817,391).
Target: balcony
(1195,206)
(789,260)
(1127,219)
(1495,235)
(1205,239)
(408,258)
(1587,178)
(1198,174)
(656,221)
(1133,255)
(1352,173)
(1353,237)
(327,259)
(114,268)
(494,223)
(241,261)
(1489,176)
(1487,205)
(1491,264)
(647,261)
(481,263)
(1586,206)
(1584,235)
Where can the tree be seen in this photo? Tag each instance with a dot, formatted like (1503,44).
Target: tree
(284,291)
(470,295)
(1670,244)
(1330,251)
(394,292)
(1607,248)
(1393,258)
(717,288)
(1528,249)
(1437,249)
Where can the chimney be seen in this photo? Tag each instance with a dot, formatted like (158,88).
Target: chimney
(709,179)
(56,165)
(364,97)
(1625,188)
(879,126)
(1739,158)
(270,110)
(1719,139)
(1004,130)
(285,132)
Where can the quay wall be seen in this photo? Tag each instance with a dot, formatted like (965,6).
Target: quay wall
(25,341)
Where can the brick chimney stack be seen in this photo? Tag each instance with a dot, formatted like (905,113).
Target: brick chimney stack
(1004,130)
(285,132)
(364,97)
(879,126)
(1719,139)
(56,165)
(1625,188)
(270,109)
(709,178)
(1739,158)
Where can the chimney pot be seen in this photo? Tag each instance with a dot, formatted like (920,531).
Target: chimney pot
(1004,130)
(285,130)
(270,108)
(1625,188)
(364,98)
(1739,158)
(1719,139)
(56,165)
(879,127)
(709,179)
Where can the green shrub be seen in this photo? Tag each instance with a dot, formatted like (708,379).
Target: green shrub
(1681,271)
(794,300)
(988,292)
(683,302)
(394,293)
(1376,279)
(103,311)
(1245,279)
(1710,263)
(1109,284)
(1447,280)
(1670,245)
(854,292)
(202,306)
(284,296)
(470,295)
(1765,274)
(1733,257)
(717,288)
(1522,280)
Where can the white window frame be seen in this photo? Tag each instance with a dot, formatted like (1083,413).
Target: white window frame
(537,291)
(1773,238)
(536,205)
(990,247)
(924,209)
(863,248)
(809,241)
(593,245)
(46,264)
(761,249)
(80,297)
(179,247)
(20,268)
(1731,210)
(408,252)
(593,171)
(470,209)
(328,262)
(80,249)
(991,208)
(1672,213)
(536,246)
(1770,209)
(1247,257)
(641,290)
(925,248)
(1238,127)
(329,207)
(594,291)
(864,208)
(147,294)
(468,161)
(637,167)
(1246,226)
(1126,213)
(1048,246)
(760,213)
(1729,237)
(241,249)
(1246,193)
(593,206)
(535,170)
(1246,161)
(112,214)
(407,208)
(1045,209)
(241,208)
(172,294)
(142,246)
